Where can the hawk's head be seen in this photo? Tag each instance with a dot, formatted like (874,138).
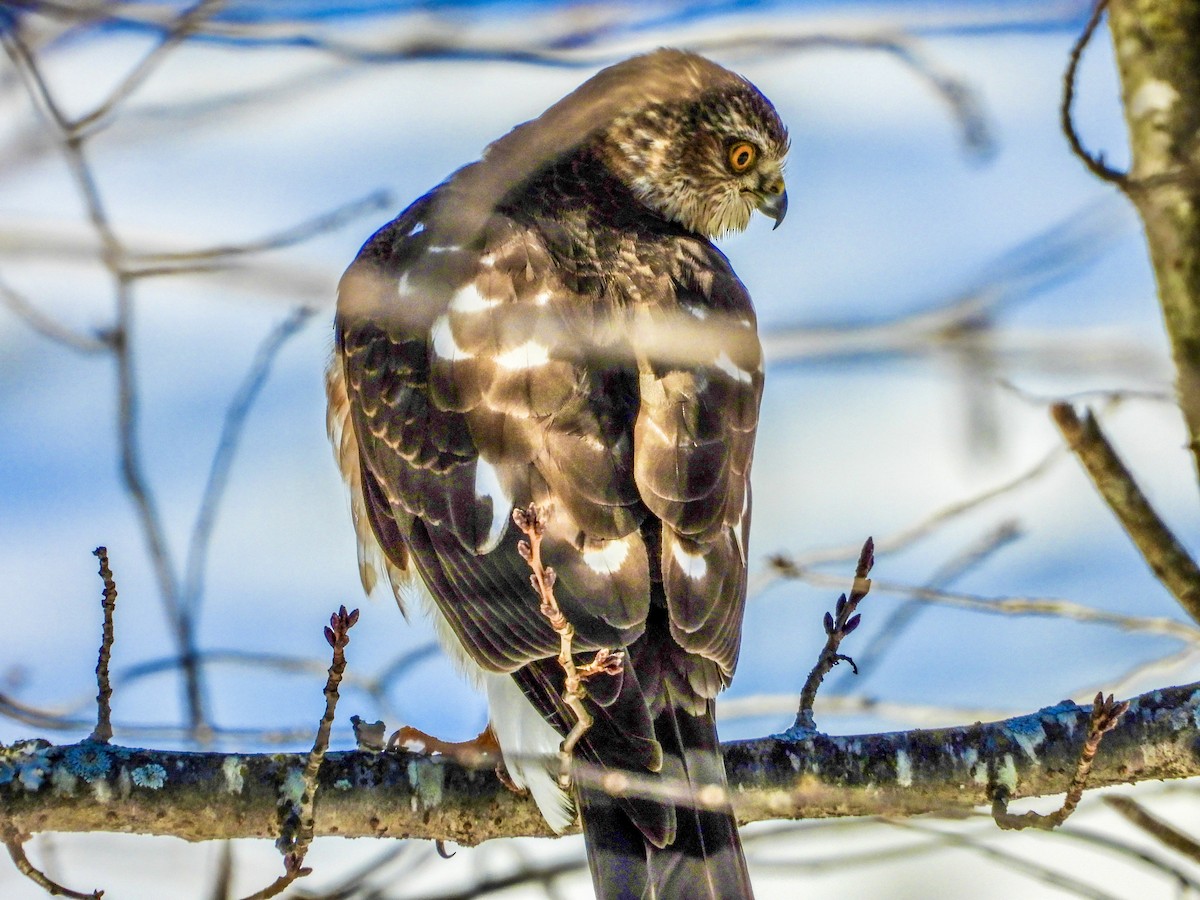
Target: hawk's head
(706,156)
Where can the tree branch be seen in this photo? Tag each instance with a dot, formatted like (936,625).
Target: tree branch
(1164,554)
(211,796)
(1157,45)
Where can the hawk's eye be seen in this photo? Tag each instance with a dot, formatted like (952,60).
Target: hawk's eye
(742,156)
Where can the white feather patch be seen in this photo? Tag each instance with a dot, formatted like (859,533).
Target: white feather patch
(468,300)
(608,558)
(529,355)
(530,748)
(487,485)
(727,365)
(444,344)
(694,565)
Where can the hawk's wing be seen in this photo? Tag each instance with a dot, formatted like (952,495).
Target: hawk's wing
(484,378)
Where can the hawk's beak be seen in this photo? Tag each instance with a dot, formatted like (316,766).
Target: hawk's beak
(774,204)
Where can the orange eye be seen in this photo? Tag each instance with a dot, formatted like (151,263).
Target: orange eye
(742,156)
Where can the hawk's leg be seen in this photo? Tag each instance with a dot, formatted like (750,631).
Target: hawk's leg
(532,522)
(475,753)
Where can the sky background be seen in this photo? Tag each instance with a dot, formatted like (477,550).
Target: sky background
(864,432)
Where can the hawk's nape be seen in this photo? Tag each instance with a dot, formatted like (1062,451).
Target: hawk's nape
(552,325)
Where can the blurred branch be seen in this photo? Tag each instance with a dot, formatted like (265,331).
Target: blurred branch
(207,259)
(1164,833)
(960,98)
(14,841)
(1018,606)
(903,616)
(924,715)
(971,315)
(47,326)
(1037,871)
(797,836)
(1161,669)
(1167,558)
(562,41)
(182,27)
(218,474)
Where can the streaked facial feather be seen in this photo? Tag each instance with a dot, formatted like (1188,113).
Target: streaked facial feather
(674,157)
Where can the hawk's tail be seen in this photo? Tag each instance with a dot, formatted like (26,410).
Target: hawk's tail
(703,861)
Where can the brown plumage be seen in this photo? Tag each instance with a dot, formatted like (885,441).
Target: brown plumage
(553,325)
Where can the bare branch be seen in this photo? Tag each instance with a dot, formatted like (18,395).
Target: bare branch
(1095,164)
(209,258)
(837,628)
(1167,558)
(1015,606)
(905,615)
(222,461)
(184,25)
(49,788)
(1106,715)
(1163,832)
(296,807)
(103,730)
(47,326)
(15,842)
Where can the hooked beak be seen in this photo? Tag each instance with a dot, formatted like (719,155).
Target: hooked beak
(774,206)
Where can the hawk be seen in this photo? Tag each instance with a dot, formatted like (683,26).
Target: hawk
(553,325)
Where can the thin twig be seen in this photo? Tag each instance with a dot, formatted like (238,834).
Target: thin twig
(911,714)
(183,26)
(837,627)
(165,263)
(1165,555)
(903,616)
(1106,715)
(39,91)
(15,842)
(139,490)
(781,565)
(296,819)
(532,523)
(1165,667)
(1020,606)
(1030,869)
(119,339)
(48,327)
(218,473)
(222,888)
(1161,831)
(103,731)
(1109,398)
(1095,164)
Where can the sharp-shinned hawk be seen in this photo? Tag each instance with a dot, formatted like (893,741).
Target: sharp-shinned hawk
(552,325)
